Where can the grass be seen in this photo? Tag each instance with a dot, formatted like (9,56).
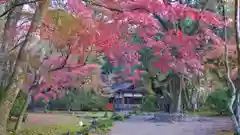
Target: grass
(48,124)
(225,133)
(53,123)
(48,130)
(204,113)
(207,113)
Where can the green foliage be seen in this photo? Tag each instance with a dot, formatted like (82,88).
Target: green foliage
(105,115)
(104,124)
(189,26)
(60,104)
(204,111)
(108,68)
(135,110)
(221,32)
(81,101)
(87,101)
(2,93)
(136,38)
(18,104)
(102,127)
(218,101)
(40,103)
(159,36)
(146,56)
(49,130)
(117,117)
(46,111)
(149,103)
(128,115)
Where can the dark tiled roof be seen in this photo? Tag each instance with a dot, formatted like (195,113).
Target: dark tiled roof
(122,86)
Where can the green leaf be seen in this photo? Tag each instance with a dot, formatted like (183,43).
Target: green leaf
(136,38)
(159,36)
(188,21)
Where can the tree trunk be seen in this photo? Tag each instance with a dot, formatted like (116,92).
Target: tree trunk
(23,111)
(16,78)
(187,99)
(175,94)
(7,42)
(235,99)
(179,103)
(8,101)
(194,99)
(151,86)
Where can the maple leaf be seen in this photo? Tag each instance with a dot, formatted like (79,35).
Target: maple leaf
(79,8)
(110,37)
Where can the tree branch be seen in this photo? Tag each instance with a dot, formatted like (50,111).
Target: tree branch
(35,24)
(17,5)
(64,62)
(233,87)
(109,8)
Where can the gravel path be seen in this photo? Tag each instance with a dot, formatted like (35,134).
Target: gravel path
(140,125)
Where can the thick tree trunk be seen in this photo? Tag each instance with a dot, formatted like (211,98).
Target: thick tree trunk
(7,103)
(187,99)
(235,100)
(175,94)
(23,111)
(179,103)
(151,86)
(17,78)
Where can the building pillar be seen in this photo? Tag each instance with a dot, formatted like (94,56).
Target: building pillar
(122,106)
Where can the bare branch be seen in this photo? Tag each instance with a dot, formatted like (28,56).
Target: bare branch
(232,85)
(16,45)
(63,65)
(35,24)
(109,8)
(17,5)
(64,62)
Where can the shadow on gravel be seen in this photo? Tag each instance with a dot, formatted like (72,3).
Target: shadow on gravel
(169,118)
(171,124)
(178,117)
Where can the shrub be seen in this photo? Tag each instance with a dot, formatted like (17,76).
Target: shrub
(117,117)
(105,115)
(149,103)
(127,116)
(40,103)
(46,111)
(103,124)
(136,111)
(88,101)
(18,104)
(60,104)
(218,101)
(83,100)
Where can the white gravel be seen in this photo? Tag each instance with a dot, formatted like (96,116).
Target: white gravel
(138,125)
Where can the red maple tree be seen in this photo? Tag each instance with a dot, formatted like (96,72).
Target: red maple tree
(111,34)
(145,16)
